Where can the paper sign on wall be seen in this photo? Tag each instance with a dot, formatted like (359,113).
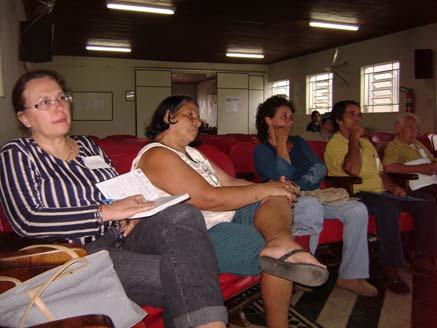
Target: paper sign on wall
(232,104)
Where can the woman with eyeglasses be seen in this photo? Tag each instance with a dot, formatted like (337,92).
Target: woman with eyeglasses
(249,224)
(48,190)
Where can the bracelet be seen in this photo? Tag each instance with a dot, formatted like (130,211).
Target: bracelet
(99,215)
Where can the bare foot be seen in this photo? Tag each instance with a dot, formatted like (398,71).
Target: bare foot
(358,286)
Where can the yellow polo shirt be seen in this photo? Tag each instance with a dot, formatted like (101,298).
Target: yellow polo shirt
(336,150)
(400,152)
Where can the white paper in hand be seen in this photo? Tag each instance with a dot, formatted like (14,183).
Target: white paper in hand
(136,183)
(128,184)
(423,180)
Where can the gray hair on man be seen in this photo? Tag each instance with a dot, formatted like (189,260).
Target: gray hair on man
(400,120)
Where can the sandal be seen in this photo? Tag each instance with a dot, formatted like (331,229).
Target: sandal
(301,273)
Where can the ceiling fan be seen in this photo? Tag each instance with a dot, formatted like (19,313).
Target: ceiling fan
(333,68)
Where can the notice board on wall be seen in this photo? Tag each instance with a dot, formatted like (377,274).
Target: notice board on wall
(92,106)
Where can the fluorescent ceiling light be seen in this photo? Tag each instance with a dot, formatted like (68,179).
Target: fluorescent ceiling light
(108,45)
(103,48)
(338,26)
(140,6)
(244,55)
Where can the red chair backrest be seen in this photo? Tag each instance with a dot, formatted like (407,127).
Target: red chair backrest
(241,136)
(122,153)
(119,137)
(218,157)
(223,143)
(4,224)
(241,155)
(380,140)
(318,147)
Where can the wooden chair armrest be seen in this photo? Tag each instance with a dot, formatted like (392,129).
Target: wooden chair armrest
(401,179)
(343,182)
(9,241)
(26,264)
(90,320)
(404,176)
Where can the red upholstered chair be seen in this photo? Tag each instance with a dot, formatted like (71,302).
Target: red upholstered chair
(318,147)
(222,142)
(122,152)
(119,137)
(218,157)
(241,155)
(241,136)
(380,140)
(4,224)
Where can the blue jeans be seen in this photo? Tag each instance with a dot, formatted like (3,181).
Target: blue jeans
(168,260)
(308,216)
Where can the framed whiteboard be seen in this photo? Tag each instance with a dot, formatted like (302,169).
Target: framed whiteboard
(92,106)
(2,92)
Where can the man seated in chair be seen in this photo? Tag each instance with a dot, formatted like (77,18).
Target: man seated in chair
(405,154)
(326,130)
(347,153)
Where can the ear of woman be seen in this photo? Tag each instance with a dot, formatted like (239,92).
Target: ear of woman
(167,117)
(23,119)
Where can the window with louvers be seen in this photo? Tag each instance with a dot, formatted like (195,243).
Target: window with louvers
(380,88)
(319,93)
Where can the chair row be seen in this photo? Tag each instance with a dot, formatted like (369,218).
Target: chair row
(234,155)
(122,150)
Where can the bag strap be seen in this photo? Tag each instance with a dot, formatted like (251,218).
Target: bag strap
(70,252)
(10,279)
(35,297)
(41,306)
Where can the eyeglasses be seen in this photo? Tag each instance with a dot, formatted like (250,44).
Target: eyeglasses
(45,103)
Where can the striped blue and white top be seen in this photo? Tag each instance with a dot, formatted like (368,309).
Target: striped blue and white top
(44,196)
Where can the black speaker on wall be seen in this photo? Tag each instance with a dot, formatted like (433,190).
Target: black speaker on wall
(36,41)
(423,64)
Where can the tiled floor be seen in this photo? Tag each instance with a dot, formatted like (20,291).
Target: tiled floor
(332,307)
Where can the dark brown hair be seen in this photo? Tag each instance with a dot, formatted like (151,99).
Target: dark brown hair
(18,100)
(268,109)
(171,105)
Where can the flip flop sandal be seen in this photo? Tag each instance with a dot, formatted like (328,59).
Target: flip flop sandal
(301,273)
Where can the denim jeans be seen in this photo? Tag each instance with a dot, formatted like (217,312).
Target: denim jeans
(308,216)
(386,210)
(168,260)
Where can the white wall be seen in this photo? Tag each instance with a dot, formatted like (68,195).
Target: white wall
(399,46)
(117,76)
(207,101)
(10,13)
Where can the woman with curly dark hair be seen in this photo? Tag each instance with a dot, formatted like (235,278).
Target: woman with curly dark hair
(281,155)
